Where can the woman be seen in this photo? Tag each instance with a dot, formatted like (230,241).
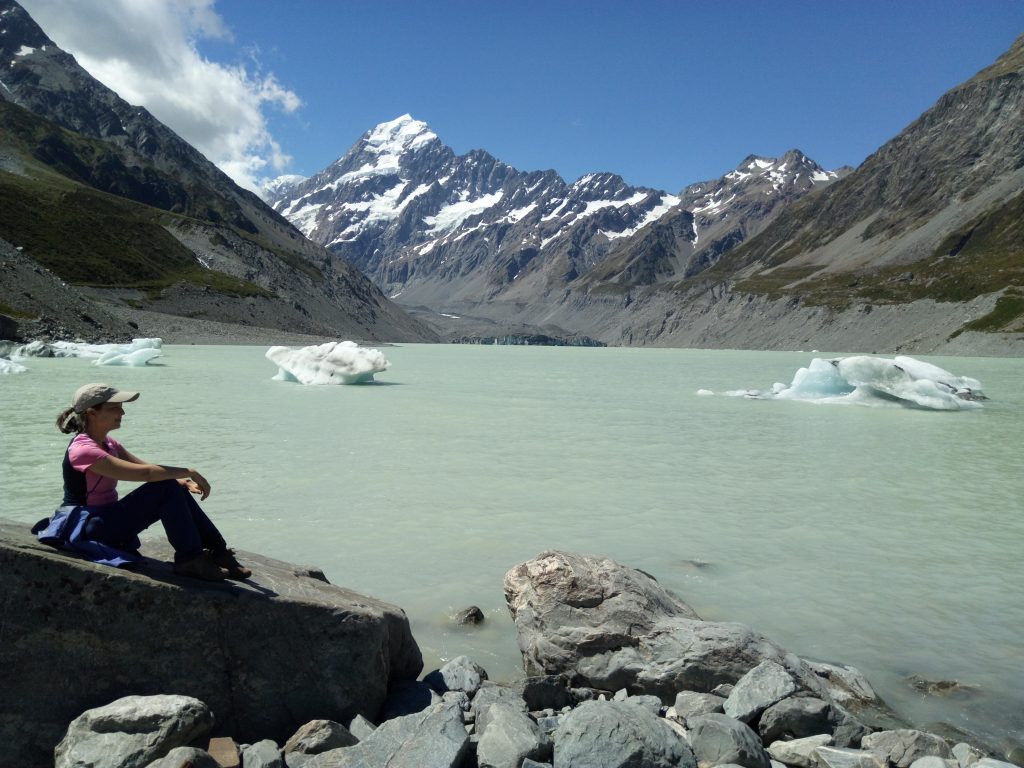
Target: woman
(94,462)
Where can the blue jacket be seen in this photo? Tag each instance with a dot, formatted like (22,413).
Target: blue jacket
(65,529)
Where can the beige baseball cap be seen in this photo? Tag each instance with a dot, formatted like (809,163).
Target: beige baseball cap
(92,395)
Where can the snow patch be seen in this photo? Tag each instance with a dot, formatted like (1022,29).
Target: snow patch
(520,213)
(304,218)
(453,215)
(668,202)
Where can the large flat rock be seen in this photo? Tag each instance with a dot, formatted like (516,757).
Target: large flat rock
(266,655)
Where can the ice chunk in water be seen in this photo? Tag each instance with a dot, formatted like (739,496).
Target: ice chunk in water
(136,354)
(135,358)
(336,362)
(9,366)
(867,380)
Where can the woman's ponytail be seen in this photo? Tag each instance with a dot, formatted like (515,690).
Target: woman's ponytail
(70,421)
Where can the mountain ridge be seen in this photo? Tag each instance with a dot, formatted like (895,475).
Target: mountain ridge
(472,234)
(101,193)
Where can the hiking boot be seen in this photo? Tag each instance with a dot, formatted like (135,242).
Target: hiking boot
(201,566)
(232,568)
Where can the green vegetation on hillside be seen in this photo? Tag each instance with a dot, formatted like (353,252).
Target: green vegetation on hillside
(88,192)
(91,238)
(985,256)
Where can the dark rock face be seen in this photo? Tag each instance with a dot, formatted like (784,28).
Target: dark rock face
(266,656)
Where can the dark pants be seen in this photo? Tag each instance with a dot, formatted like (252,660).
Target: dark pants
(188,528)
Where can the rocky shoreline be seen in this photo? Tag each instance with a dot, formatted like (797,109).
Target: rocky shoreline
(620,672)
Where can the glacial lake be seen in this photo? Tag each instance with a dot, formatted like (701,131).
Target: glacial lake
(888,538)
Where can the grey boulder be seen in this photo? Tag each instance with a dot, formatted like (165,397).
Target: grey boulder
(608,626)
(934,762)
(799,753)
(262,754)
(717,739)
(511,736)
(489,694)
(903,746)
(966,754)
(433,738)
(459,674)
(691,703)
(608,734)
(315,737)
(266,655)
(796,718)
(767,683)
(843,757)
(360,727)
(132,732)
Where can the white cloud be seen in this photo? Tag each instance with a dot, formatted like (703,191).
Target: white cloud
(146,51)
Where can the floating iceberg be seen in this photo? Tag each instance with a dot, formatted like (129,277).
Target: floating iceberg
(9,366)
(336,362)
(136,354)
(866,380)
(136,358)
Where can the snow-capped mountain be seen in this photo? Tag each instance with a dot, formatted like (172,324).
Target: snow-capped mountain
(438,229)
(412,214)
(713,217)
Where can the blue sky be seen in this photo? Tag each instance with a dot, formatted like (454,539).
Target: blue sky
(663,93)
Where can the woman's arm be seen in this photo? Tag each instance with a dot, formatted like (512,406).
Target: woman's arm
(133,470)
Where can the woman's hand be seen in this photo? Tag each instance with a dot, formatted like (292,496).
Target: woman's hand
(197,484)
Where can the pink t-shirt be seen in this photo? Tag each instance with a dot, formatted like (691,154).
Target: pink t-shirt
(83,453)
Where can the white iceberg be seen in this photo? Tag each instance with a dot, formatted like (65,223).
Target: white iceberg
(866,380)
(9,367)
(336,362)
(136,358)
(136,354)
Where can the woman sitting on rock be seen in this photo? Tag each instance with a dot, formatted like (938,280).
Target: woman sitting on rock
(93,520)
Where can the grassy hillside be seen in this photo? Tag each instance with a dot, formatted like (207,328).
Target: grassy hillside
(88,236)
(92,238)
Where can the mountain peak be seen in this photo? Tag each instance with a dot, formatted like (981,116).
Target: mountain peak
(403,134)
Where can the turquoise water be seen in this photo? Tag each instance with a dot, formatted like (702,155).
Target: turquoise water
(886,538)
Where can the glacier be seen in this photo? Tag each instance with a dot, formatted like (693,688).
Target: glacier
(875,381)
(335,362)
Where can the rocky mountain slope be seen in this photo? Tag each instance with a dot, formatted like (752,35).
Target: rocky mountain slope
(918,249)
(103,195)
(932,221)
(472,234)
